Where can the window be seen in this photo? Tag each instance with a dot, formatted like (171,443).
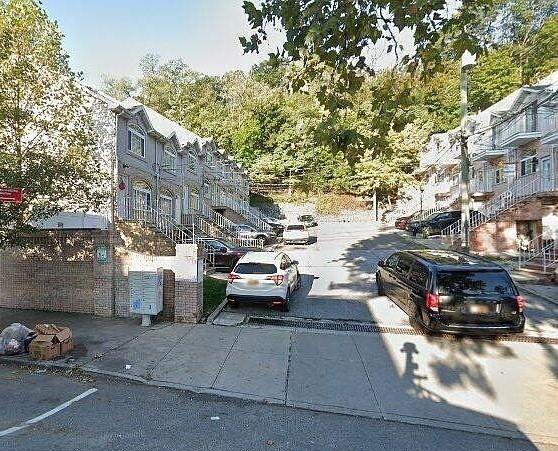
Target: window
(391,262)
(136,140)
(403,265)
(168,161)
(419,275)
(529,165)
(285,262)
(471,282)
(295,227)
(255,268)
(192,162)
(165,204)
(141,196)
(498,176)
(194,200)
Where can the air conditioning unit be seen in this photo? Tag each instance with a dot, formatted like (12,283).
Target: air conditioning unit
(146,293)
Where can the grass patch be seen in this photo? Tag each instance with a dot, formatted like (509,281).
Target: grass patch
(213,293)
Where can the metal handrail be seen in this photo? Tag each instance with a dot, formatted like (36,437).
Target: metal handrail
(519,190)
(538,247)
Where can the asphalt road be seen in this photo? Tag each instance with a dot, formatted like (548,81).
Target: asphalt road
(338,272)
(127,416)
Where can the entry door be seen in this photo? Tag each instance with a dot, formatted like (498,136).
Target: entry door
(547,174)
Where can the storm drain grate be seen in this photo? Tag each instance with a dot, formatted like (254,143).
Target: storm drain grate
(372,328)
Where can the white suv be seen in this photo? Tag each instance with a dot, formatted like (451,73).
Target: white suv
(263,277)
(296,233)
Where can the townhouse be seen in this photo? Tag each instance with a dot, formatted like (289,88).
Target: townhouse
(165,176)
(513,151)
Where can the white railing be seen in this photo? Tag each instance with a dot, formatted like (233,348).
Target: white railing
(526,122)
(217,218)
(519,190)
(211,230)
(255,217)
(540,249)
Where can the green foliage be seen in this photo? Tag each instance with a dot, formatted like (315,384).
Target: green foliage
(316,127)
(213,293)
(46,134)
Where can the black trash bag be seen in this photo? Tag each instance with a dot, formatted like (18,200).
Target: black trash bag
(15,339)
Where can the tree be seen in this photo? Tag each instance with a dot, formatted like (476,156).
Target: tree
(333,36)
(45,129)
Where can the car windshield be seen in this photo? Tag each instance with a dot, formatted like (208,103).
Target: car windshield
(306,218)
(295,227)
(255,268)
(473,282)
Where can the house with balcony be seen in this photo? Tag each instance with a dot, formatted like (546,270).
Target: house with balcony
(513,152)
(163,176)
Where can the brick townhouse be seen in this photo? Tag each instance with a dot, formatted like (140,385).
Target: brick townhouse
(513,148)
(169,191)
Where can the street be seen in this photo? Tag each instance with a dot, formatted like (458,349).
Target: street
(397,380)
(132,417)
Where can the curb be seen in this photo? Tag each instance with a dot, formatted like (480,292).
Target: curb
(216,312)
(395,418)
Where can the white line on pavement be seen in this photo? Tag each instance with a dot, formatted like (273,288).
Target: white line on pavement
(47,414)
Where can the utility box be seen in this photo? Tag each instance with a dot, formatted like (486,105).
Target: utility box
(146,293)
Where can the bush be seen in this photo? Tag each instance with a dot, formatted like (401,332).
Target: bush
(334,204)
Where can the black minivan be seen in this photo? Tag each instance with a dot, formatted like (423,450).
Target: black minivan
(448,291)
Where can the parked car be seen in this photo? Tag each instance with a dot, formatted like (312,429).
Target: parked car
(452,292)
(308,220)
(277,226)
(225,254)
(402,222)
(263,277)
(296,233)
(246,231)
(434,224)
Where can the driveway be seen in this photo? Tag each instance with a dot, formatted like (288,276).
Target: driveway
(339,282)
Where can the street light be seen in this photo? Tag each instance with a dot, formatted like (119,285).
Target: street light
(467,63)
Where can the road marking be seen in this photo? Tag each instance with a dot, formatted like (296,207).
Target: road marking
(47,414)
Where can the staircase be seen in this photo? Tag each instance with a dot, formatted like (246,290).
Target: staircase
(519,191)
(538,254)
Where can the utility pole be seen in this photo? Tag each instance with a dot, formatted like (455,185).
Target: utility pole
(467,62)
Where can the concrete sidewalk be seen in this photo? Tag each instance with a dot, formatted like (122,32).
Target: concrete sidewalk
(473,385)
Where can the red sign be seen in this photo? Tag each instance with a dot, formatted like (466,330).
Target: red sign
(11,195)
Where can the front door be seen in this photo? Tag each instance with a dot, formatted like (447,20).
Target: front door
(547,175)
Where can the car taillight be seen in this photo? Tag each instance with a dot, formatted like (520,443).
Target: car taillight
(277,278)
(432,302)
(520,303)
(232,277)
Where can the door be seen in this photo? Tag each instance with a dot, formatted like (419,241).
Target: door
(547,179)
(400,281)
(387,274)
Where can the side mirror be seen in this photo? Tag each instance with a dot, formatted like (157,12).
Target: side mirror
(381,264)
(294,262)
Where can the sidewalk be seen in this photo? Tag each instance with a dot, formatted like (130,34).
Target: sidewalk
(455,384)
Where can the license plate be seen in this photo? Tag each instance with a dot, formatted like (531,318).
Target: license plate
(479,309)
(253,282)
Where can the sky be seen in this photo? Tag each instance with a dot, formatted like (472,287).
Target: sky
(109,37)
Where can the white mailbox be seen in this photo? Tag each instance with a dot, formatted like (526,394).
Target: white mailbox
(146,293)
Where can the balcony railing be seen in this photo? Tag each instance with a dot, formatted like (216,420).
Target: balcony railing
(519,129)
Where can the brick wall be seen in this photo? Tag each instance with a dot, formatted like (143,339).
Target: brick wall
(59,271)
(54,272)
(500,236)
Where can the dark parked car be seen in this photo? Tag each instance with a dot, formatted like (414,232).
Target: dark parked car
(448,291)
(308,220)
(224,254)
(402,222)
(435,223)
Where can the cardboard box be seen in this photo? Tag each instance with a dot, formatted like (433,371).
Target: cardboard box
(44,347)
(51,342)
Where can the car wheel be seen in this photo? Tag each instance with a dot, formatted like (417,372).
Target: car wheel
(380,286)
(285,305)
